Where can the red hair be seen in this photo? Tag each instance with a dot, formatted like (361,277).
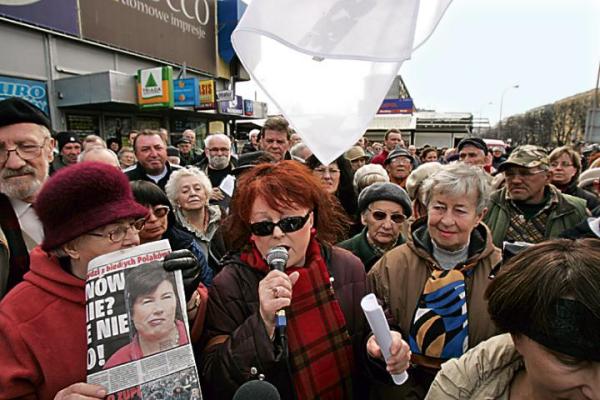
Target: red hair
(282,185)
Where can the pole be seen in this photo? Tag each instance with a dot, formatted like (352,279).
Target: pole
(501,104)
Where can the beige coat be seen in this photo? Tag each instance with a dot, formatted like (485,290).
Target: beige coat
(483,373)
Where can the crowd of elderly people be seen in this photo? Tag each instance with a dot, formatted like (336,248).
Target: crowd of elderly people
(422,229)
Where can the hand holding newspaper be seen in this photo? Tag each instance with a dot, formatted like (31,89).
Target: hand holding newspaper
(137,327)
(381,330)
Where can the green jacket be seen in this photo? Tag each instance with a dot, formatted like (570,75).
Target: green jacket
(566,214)
(360,247)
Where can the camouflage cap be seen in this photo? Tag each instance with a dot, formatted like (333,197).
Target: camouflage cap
(527,156)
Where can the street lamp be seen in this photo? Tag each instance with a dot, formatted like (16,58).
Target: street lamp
(502,100)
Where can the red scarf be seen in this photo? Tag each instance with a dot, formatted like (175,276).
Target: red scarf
(320,348)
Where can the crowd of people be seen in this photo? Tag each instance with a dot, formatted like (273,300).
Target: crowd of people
(424,229)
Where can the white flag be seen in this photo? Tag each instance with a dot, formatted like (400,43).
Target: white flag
(328,64)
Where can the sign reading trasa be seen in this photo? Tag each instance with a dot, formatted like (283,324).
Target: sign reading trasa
(155,87)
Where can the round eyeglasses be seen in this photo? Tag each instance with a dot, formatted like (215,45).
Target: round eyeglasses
(117,235)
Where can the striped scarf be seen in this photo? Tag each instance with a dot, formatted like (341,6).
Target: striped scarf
(19,256)
(440,325)
(320,348)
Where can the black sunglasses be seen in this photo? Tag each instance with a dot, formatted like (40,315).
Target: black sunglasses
(380,216)
(287,225)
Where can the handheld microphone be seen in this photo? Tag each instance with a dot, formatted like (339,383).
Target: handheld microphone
(257,389)
(277,258)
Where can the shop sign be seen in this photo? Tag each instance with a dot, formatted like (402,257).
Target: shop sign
(155,87)
(396,106)
(207,94)
(33,91)
(260,109)
(58,15)
(186,92)
(235,107)
(175,30)
(248,108)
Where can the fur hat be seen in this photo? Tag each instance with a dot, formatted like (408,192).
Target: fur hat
(15,110)
(81,198)
(384,191)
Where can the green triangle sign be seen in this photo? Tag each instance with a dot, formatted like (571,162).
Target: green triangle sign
(151,82)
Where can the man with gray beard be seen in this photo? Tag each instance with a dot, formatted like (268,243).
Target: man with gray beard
(25,155)
(218,165)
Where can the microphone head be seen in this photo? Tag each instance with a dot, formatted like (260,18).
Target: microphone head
(256,389)
(277,257)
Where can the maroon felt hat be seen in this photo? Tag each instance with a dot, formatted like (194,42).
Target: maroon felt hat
(83,197)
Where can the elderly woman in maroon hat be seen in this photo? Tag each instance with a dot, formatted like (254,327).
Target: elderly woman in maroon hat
(86,210)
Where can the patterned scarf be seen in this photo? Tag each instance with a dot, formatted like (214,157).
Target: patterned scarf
(440,325)
(19,256)
(320,348)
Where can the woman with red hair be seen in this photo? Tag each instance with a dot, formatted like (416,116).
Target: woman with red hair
(317,354)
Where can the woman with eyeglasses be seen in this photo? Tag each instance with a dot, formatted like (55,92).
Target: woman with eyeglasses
(336,180)
(160,224)
(433,285)
(565,168)
(320,352)
(383,207)
(87,210)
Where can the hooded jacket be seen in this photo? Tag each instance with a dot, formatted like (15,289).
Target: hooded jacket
(42,332)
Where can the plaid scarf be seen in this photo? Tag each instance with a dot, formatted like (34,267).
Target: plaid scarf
(19,256)
(320,347)
(532,230)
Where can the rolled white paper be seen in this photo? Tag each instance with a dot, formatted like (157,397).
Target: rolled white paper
(381,330)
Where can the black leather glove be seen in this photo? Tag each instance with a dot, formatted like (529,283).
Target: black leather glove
(185,261)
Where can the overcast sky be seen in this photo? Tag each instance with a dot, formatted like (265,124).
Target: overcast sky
(550,48)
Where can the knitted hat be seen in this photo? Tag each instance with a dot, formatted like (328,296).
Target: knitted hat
(384,191)
(417,176)
(63,138)
(475,142)
(588,177)
(15,110)
(400,152)
(81,198)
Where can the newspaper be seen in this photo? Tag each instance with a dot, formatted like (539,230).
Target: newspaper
(137,327)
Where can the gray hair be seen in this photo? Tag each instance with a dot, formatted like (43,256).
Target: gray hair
(172,186)
(457,180)
(210,138)
(297,150)
(368,175)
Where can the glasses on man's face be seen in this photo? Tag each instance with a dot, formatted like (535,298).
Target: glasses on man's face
(27,151)
(564,164)
(159,211)
(524,173)
(327,170)
(118,234)
(400,161)
(380,216)
(287,225)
